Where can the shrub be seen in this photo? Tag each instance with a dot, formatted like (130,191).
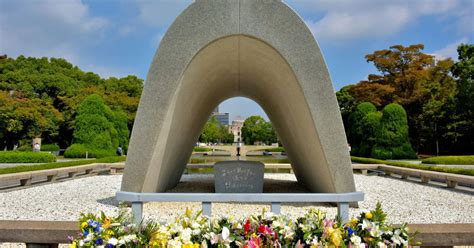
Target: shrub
(275,149)
(357,132)
(26,157)
(25,168)
(25,148)
(94,126)
(202,149)
(80,151)
(391,141)
(50,147)
(468,160)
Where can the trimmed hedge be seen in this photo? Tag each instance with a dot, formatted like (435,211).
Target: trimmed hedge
(469,172)
(50,147)
(79,151)
(26,157)
(465,160)
(274,149)
(25,168)
(201,149)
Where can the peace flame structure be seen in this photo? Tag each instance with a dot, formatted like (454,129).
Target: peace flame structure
(219,49)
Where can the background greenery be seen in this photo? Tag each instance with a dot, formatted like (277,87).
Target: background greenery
(26,157)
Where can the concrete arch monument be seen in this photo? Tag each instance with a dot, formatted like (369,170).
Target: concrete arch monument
(218,49)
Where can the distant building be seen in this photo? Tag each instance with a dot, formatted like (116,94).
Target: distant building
(236,129)
(223,118)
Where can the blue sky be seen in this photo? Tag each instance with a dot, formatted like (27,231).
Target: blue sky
(118,38)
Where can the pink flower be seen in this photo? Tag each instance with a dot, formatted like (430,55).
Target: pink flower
(255,242)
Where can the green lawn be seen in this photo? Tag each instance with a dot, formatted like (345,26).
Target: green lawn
(469,172)
(24,168)
(464,160)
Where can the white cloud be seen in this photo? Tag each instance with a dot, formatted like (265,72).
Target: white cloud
(51,28)
(450,50)
(342,20)
(160,13)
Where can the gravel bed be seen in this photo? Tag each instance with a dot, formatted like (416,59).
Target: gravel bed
(404,201)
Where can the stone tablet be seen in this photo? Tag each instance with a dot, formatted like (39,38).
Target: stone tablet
(238,177)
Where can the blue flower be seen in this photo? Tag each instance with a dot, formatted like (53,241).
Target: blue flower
(350,231)
(109,246)
(99,241)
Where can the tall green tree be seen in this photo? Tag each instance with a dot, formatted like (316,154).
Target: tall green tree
(22,119)
(356,126)
(255,129)
(94,125)
(391,141)
(460,126)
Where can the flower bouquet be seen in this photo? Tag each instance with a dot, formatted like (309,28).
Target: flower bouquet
(193,230)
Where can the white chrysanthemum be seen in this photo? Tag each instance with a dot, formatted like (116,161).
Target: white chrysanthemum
(174,243)
(186,235)
(112,241)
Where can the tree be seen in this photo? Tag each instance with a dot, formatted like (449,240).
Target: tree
(460,126)
(414,80)
(391,140)
(255,129)
(94,125)
(347,105)
(63,86)
(356,126)
(22,119)
(211,131)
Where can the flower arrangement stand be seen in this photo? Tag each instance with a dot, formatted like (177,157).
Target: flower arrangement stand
(275,199)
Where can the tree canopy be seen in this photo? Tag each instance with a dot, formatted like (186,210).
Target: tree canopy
(40,97)
(436,95)
(256,129)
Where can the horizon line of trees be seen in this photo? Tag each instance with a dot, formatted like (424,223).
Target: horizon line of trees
(41,97)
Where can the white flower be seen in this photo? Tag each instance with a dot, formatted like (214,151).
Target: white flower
(196,232)
(112,241)
(214,238)
(381,245)
(174,243)
(225,233)
(89,237)
(195,225)
(397,239)
(356,240)
(204,244)
(81,243)
(186,235)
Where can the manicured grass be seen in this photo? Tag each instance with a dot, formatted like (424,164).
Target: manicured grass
(25,168)
(469,172)
(465,160)
(26,157)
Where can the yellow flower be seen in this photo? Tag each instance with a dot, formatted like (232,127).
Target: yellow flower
(368,215)
(336,237)
(368,239)
(353,222)
(109,232)
(84,225)
(73,245)
(106,223)
(196,245)
(190,245)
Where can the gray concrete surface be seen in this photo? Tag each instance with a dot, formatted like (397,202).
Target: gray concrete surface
(216,50)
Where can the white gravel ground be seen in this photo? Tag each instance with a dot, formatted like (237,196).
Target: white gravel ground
(403,201)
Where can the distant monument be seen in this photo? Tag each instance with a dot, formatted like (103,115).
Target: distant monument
(217,50)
